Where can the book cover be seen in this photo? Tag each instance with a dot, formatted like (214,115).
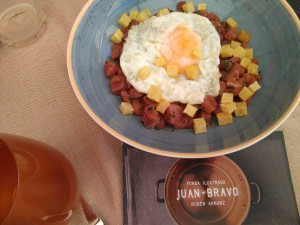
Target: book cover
(251,186)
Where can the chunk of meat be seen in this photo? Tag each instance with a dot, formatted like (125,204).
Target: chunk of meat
(179,6)
(185,122)
(125,96)
(117,84)
(249,79)
(138,107)
(209,105)
(223,87)
(213,17)
(111,68)
(206,116)
(174,114)
(148,102)
(235,77)
(238,67)
(202,13)
(116,51)
(161,122)
(231,35)
(152,118)
(134,93)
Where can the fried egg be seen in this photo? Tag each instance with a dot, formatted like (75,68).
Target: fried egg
(174,36)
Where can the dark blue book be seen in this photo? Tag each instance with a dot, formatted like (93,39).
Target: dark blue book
(264,163)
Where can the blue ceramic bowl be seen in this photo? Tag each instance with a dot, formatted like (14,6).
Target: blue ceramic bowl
(275,31)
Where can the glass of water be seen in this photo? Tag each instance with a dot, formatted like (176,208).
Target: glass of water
(21,22)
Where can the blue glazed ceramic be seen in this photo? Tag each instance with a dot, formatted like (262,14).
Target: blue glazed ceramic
(275,31)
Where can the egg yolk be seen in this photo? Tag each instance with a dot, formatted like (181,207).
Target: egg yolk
(177,46)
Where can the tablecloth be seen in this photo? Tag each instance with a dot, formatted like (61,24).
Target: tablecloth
(37,101)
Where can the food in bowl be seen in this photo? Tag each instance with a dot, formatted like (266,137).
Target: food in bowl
(181,68)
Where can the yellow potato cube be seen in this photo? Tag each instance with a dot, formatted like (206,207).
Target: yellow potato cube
(231,22)
(202,6)
(199,125)
(255,86)
(245,62)
(188,7)
(142,16)
(126,108)
(253,68)
(155,93)
(133,14)
(117,36)
(147,11)
(190,110)
(235,44)
(162,106)
(228,107)
(124,20)
(241,109)
(245,94)
(192,72)
(173,70)
(160,61)
(163,12)
(144,73)
(244,36)
(196,53)
(227,97)
(249,53)
(226,51)
(239,52)
(224,118)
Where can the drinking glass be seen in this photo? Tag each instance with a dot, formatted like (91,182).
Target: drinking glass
(38,184)
(21,22)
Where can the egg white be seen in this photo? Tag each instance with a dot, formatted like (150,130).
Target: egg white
(142,48)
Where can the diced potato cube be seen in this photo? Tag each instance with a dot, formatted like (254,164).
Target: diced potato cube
(133,14)
(126,108)
(249,53)
(124,20)
(117,36)
(245,62)
(155,93)
(196,53)
(188,7)
(235,44)
(231,22)
(245,94)
(228,107)
(255,86)
(199,125)
(192,72)
(142,16)
(253,68)
(147,11)
(202,6)
(238,52)
(163,12)
(190,110)
(160,61)
(226,51)
(224,118)
(144,73)
(173,70)
(227,97)
(244,36)
(162,106)
(241,109)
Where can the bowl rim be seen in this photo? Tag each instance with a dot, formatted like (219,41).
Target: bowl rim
(149,149)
